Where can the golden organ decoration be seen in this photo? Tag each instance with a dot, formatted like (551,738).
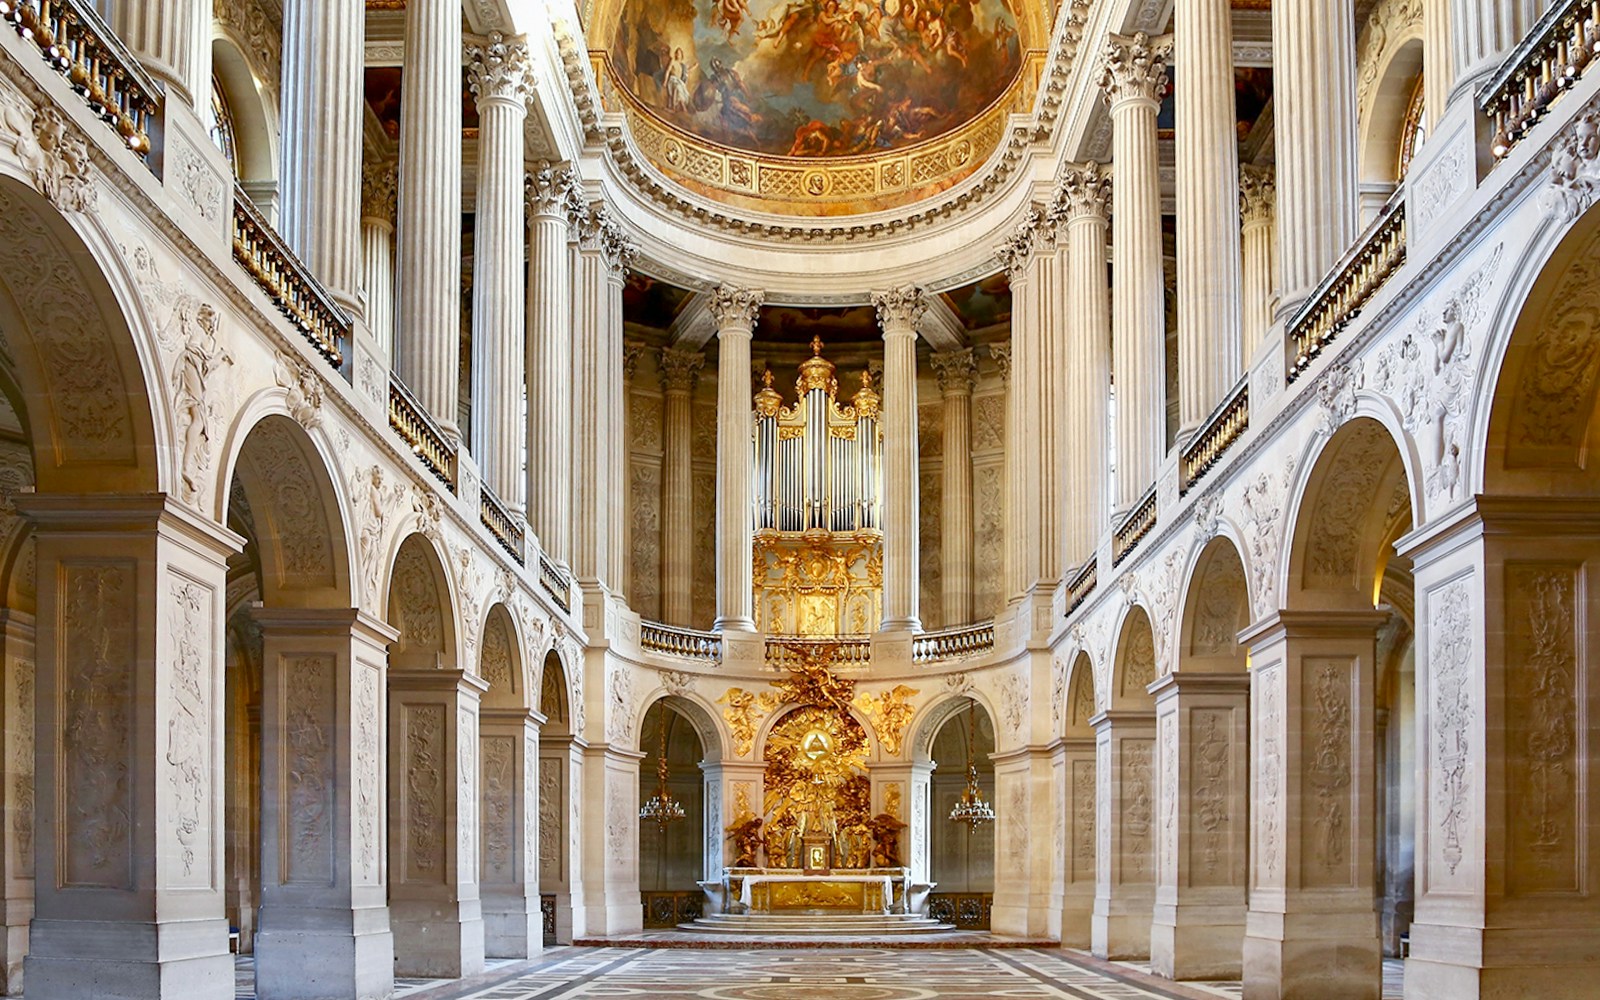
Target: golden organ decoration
(818,482)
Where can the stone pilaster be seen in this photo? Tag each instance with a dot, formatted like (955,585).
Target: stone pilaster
(610,849)
(1025,803)
(956,371)
(549,356)
(499,76)
(1482,33)
(1078,871)
(1314,92)
(428,348)
(680,370)
(1209,356)
(508,783)
(128,834)
(899,312)
(560,795)
(735,310)
(1125,830)
(1258,198)
(1085,202)
(17,653)
(1134,78)
(172,39)
(319,211)
(903,790)
(324,916)
(378,191)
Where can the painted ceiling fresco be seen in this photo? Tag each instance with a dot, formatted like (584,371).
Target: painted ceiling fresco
(817,78)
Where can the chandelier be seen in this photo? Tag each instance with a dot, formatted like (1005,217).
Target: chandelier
(661,807)
(972,809)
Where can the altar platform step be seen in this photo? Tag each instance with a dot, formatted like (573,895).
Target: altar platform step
(689,936)
(816,924)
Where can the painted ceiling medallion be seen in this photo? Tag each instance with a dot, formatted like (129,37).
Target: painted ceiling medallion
(817,107)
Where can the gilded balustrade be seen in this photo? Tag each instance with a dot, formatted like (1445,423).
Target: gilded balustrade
(502,525)
(417,429)
(1544,66)
(299,296)
(1134,527)
(555,582)
(1226,426)
(786,651)
(1082,584)
(1339,299)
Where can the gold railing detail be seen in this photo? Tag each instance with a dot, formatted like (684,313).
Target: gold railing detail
(1134,527)
(81,48)
(555,582)
(417,429)
(695,644)
(1082,584)
(1227,425)
(1339,299)
(299,296)
(953,643)
(501,524)
(784,650)
(1549,61)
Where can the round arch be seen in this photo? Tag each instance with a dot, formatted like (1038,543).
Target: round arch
(695,711)
(932,717)
(421,605)
(500,661)
(1082,702)
(771,722)
(1215,609)
(1133,661)
(254,114)
(1397,73)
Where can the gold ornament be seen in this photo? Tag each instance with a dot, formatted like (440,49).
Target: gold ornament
(889,713)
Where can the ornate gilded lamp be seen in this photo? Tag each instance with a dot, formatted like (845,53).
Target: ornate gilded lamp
(661,807)
(972,809)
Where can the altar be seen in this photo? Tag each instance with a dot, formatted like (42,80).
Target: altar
(792,890)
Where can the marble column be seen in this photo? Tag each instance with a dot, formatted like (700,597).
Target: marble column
(17,647)
(1438,56)
(1314,70)
(1134,78)
(435,908)
(957,372)
(679,372)
(319,188)
(1482,33)
(735,310)
(899,312)
(1086,200)
(1016,256)
(428,351)
(1125,826)
(1258,197)
(508,743)
(128,827)
(499,78)
(1207,146)
(378,190)
(1202,777)
(172,40)
(324,915)
(549,360)
(1312,929)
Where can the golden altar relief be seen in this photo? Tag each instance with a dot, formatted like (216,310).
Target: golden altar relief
(818,896)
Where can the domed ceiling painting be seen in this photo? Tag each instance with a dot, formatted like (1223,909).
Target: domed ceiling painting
(816,107)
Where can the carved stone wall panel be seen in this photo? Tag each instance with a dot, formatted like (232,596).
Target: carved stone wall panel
(286,493)
(930,515)
(704,583)
(1081,846)
(19,762)
(1267,689)
(420,809)
(551,836)
(466,793)
(188,745)
(1137,792)
(1327,753)
(645,505)
(416,602)
(988,494)
(368,804)
(1451,689)
(308,696)
(1211,793)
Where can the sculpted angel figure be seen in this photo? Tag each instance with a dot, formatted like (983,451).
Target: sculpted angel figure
(197,364)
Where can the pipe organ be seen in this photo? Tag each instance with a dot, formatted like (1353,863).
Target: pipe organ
(818,481)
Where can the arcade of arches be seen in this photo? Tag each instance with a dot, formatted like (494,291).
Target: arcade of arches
(494,493)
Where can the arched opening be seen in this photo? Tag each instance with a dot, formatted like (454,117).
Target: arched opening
(1126,826)
(560,778)
(961,855)
(243,103)
(672,855)
(1393,119)
(509,761)
(1079,747)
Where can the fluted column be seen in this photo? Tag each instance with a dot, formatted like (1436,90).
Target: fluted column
(1483,31)
(319,211)
(899,312)
(427,355)
(1258,198)
(499,78)
(172,39)
(735,310)
(679,372)
(1207,141)
(549,354)
(1314,70)
(1438,58)
(1134,78)
(957,372)
(1086,197)
(377,251)
(1027,255)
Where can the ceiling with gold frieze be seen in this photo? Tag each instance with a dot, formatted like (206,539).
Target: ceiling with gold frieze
(817,107)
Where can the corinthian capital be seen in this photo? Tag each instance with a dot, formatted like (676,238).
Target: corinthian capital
(1018,248)
(679,369)
(547,190)
(498,70)
(736,308)
(1258,192)
(900,309)
(379,184)
(1134,68)
(1085,193)
(955,370)
(598,232)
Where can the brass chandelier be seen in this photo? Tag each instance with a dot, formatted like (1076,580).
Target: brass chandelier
(972,809)
(662,808)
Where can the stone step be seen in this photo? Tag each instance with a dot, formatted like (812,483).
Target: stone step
(815,923)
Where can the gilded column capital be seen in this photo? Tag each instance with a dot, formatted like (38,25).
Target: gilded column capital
(548,189)
(498,70)
(680,369)
(957,371)
(1085,193)
(1258,194)
(900,310)
(1134,68)
(380,182)
(736,309)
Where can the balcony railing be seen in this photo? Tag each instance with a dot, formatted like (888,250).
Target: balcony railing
(1549,61)
(1227,425)
(299,296)
(78,44)
(1082,584)
(690,643)
(501,524)
(417,429)
(1134,527)
(953,643)
(556,583)
(784,650)
(1339,299)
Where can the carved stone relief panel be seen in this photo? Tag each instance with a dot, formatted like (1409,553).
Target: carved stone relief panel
(302,547)
(704,583)
(1137,794)
(1333,547)
(1269,777)
(1211,793)
(930,514)
(188,745)
(1327,737)
(645,596)
(19,754)
(368,802)
(415,603)
(550,828)
(466,793)
(1167,781)
(308,697)
(496,656)
(420,810)
(988,530)
(1450,724)
(1082,846)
